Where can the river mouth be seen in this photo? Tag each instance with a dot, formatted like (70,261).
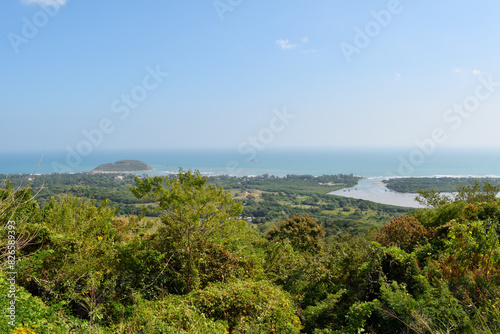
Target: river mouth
(374,190)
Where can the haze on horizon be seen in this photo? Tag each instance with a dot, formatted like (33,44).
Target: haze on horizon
(160,74)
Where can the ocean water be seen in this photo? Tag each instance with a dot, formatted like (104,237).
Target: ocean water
(370,163)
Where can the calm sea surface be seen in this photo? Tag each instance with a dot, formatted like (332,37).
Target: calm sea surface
(363,162)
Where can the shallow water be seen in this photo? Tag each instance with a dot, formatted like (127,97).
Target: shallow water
(373,189)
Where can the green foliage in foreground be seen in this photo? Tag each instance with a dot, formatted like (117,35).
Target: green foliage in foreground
(193,215)
(265,199)
(33,314)
(303,233)
(81,269)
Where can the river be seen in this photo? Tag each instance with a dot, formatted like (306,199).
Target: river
(373,189)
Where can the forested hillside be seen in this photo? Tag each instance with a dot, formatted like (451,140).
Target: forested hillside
(79,267)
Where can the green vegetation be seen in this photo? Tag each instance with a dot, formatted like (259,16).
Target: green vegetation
(83,269)
(194,217)
(268,200)
(99,187)
(442,184)
(302,232)
(476,192)
(123,166)
(265,199)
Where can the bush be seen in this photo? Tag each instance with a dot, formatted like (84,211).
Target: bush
(33,315)
(172,315)
(404,232)
(248,307)
(303,233)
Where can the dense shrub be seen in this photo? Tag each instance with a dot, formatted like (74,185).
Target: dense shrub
(303,233)
(171,315)
(32,315)
(404,232)
(82,269)
(248,307)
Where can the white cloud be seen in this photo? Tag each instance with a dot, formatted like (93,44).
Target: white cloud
(52,3)
(457,70)
(284,44)
(397,76)
(476,72)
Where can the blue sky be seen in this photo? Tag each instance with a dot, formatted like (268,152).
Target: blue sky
(233,65)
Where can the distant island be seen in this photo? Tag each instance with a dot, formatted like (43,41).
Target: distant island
(123,166)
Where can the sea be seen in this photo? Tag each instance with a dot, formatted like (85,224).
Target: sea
(367,162)
(373,164)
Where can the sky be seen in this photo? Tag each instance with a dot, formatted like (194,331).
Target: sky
(92,75)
